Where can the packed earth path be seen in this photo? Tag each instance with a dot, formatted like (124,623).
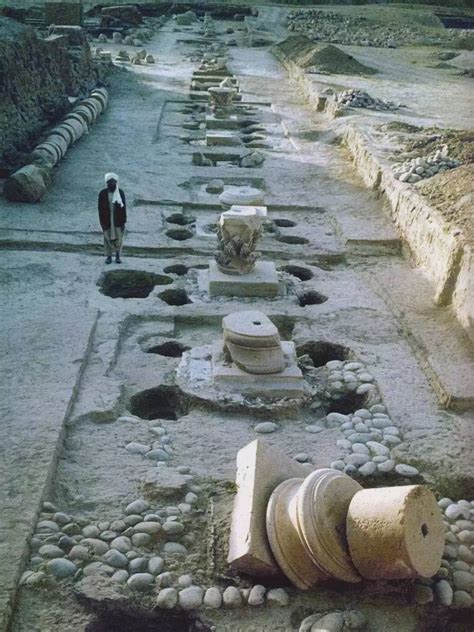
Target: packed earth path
(101,436)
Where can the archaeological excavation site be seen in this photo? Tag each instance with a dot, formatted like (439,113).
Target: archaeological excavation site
(237,289)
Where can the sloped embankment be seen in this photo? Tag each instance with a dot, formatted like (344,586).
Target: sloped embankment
(324,59)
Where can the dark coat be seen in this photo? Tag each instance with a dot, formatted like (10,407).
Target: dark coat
(120,212)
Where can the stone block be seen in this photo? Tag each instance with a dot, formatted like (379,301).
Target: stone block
(222,138)
(25,185)
(286,383)
(261,281)
(260,468)
(215,123)
(163,482)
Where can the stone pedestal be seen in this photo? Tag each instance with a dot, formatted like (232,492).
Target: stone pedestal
(242,196)
(261,281)
(215,123)
(253,342)
(222,138)
(395,532)
(306,528)
(287,383)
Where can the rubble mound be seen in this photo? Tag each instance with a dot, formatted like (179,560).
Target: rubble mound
(332,60)
(325,59)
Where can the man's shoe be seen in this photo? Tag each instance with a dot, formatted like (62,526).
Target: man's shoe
(117,259)
(108,260)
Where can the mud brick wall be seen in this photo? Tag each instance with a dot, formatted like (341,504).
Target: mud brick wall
(36,77)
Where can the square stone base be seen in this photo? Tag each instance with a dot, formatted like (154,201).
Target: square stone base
(214,122)
(260,468)
(222,137)
(262,281)
(286,383)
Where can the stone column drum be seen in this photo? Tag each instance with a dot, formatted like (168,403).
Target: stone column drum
(253,342)
(306,523)
(395,532)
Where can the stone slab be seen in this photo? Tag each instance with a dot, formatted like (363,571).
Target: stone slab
(214,122)
(286,383)
(260,468)
(222,137)
(262,281)
(203,95)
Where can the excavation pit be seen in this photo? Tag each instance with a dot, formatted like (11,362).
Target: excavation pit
(179,269)
(292,239)
(169,349)
(131,283)
(284,223)
(163,402)
(311,298)
(322,352)
(179,234)
(175,297)
(180,219)
(121,620)
(348,403)
(303,274)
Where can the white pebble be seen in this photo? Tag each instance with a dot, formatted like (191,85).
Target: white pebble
(137,448)
(167,598)
(266,427)
(406,470)
(191,598)
(232,597)
(212,598)
(257,595)
(278,597)
(444,593)
(368,468)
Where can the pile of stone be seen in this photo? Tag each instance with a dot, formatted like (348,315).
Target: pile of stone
(30,183)
(329,26)
(66,547)
(417,169)
(121,552)
(254,159)
(453,584)
(186,19)
(356,98)
(158,450)
(369,436)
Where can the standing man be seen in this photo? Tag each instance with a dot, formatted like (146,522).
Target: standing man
(112,217)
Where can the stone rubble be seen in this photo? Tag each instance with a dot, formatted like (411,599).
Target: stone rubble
(417,169)
(329,26)
(356,98)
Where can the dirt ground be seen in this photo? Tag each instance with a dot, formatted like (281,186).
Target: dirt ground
(75,358)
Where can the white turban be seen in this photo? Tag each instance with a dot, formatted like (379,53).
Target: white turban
(116,198)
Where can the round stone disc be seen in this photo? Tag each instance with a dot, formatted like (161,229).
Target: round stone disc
(322,504)
(395,532)
(285,543)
